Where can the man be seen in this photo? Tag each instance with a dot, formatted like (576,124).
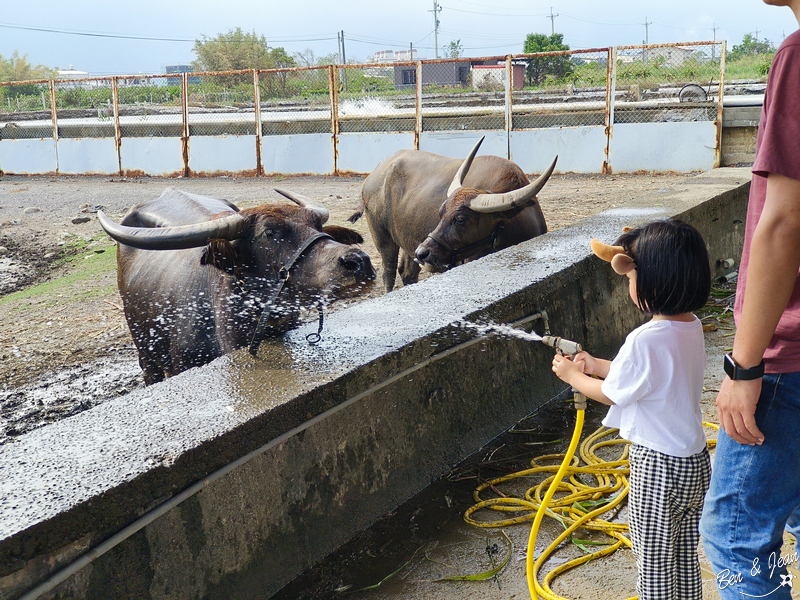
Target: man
(755,484)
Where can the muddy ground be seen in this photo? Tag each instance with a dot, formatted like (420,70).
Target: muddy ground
(64,343)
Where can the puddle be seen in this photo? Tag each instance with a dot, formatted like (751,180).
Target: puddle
(11,274)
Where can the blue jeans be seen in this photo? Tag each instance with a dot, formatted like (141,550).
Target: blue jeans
(754,493)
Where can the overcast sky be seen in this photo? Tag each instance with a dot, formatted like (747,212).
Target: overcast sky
(142,36)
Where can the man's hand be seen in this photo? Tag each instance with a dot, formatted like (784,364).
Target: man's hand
(736,408)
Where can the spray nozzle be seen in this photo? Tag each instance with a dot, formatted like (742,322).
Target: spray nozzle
(561,345)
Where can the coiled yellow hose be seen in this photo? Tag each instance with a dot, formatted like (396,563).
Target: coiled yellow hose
(611,484)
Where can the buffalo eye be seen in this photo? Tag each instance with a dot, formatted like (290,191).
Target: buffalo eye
(460,219)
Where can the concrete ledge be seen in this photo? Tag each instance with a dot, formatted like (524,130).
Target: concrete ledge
(234,478)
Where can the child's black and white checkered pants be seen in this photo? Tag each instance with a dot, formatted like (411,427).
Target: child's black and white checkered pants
(665,502)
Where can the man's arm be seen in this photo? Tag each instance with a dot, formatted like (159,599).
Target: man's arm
(771,276)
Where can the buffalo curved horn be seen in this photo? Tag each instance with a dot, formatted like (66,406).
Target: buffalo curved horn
(306,202)
(174,238)
(458,180)
(489,203)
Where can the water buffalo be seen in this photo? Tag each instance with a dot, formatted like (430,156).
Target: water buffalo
(443,211)
(195,273)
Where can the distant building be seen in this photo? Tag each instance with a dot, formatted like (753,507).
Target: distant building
(74,76)
(451,73)
(668,56)
(388,56)
(493,77)
(72,73)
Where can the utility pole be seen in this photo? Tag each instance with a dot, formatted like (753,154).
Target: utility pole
(714,47)
(435,11)
(552,18)
(646,40)
(343,58)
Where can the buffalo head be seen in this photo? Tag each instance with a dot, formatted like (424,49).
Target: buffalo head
(472,222)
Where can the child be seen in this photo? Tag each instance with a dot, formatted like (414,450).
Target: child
(653,387)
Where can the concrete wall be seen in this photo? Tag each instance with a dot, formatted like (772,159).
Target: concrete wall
(229,480)
(739,133)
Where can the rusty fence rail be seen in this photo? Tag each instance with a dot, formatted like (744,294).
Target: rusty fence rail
(194,119)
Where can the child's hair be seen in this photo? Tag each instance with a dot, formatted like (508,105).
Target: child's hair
(673,275)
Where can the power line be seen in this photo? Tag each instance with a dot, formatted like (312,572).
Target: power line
(125,36)
(94,34)
(496,14)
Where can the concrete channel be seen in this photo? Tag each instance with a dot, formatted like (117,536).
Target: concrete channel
(230,480)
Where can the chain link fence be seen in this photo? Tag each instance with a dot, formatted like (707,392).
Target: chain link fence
(84,109)
(150,106)
(25,110)
(561,89)
(295,101)
(375,99)
(597,87)
(221,103)
(667,83)
(457,95)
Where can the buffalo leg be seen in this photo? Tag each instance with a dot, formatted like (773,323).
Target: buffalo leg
(388,251)
(408,269)
(151,370)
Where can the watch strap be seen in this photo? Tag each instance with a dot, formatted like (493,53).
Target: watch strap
(735,372)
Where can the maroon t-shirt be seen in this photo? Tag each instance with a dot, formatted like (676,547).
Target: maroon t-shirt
(777,151)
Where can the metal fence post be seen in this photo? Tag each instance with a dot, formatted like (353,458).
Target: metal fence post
(720,100)
(117,129)
(257,107)
(334,96)
(611,89)
(185,128)
(509,98)
(54,117)
(418,106)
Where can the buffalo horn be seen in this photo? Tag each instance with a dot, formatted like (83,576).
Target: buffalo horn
(177,237)
(306,202)
(458,180)
(489,203)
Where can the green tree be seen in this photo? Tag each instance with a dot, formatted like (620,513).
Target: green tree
(276,84)
(540,68)
(453,50)
(750,46)
(237,50)
(17,68)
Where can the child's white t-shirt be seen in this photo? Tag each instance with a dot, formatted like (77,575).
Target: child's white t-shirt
(656,382)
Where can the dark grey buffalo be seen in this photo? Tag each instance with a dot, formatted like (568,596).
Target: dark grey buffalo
(195,273)
(443,211)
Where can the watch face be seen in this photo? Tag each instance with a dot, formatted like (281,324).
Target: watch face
(729,366)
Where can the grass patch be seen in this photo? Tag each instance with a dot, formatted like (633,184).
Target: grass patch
(82,265)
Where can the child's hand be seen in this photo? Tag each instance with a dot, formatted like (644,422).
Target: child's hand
(565,368)
(590,363)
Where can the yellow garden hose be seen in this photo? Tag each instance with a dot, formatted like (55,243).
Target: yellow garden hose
(573,509)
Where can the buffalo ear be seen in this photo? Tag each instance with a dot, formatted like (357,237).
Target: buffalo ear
(220,254)
(343,235)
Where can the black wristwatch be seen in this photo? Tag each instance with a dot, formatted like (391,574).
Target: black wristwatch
(734,371)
